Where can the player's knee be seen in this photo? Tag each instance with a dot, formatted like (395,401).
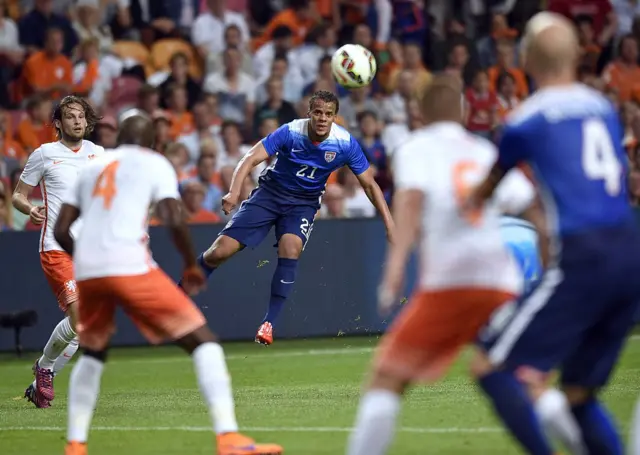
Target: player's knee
(222,249)
(72,313)
(194,339)
(480,365)
(383,381)
(100,355)
(577,395)
(290,246)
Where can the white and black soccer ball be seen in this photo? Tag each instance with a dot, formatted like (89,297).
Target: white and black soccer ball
(353,66)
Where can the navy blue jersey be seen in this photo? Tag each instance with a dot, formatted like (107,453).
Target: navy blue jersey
(570,136)
(302,167)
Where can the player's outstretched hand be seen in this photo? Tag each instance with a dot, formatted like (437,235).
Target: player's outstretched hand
(229,202)
(193,280)
(37,215)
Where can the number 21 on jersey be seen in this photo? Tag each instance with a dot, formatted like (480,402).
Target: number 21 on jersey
(105,186)
(599,160)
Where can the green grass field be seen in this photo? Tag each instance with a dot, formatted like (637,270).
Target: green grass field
(301,394)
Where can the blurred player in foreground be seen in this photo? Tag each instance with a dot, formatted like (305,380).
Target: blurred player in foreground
(55,166)
(288,195)
(466,274)
(114,267)
(579,316)
(523,238)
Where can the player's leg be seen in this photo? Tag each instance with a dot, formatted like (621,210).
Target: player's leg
(292,233)
(588,369)
(408,353)
(544,329)
(96,313)
(551,405)
(247,228)
(58,269)
(161,311)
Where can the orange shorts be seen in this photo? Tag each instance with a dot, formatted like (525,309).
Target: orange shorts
(156,305)
(58,268)
(429,333)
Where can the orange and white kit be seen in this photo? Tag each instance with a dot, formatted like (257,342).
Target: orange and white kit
(466,271)
(55,167)
(113,265)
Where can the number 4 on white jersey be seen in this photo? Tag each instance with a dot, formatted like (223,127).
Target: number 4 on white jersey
(599,159)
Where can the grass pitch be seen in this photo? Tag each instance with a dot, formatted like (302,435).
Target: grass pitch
(301,394)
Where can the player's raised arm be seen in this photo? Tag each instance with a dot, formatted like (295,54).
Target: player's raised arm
(30,178)
(255,156)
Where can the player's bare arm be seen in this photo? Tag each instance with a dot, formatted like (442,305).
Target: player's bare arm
(20,200)
(375,195)
(255,156)
(62,230)
(170,213)
(407,212)
(483,192)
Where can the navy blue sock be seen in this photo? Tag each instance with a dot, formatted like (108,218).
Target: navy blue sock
(513,406)
(598,429)
(208,270)
(281,286)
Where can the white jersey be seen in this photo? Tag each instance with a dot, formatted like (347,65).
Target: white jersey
(113,195)
(55,168)
(444,162)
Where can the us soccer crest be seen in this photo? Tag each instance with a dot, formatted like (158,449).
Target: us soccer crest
(329,156)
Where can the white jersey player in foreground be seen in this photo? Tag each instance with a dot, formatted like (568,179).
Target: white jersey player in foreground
(54,167)
(114,268)
(467,272)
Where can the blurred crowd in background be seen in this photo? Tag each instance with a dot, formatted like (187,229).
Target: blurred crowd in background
(217,75)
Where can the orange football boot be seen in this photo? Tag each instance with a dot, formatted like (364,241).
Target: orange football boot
(75,448)
(238,444)
(265,334)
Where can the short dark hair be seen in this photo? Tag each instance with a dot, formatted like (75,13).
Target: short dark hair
(89,113)
(179,56)
(325,96)
(366,113)
(281,31)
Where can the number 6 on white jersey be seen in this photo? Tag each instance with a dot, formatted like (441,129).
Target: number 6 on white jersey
(599,159)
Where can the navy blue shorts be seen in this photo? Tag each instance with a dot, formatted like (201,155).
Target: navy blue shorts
(264,209)
(579,316)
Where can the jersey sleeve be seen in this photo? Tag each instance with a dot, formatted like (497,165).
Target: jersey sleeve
(357,162)
(34,169)
(515,193)
(166,181)
(512,147)
(278,140)
(408,170)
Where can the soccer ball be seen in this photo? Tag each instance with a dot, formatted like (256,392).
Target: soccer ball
(353,66)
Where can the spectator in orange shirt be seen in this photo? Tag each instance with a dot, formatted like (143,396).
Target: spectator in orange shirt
(181,119)
(506,63)
(412,62)
(623,74)
(86,71)
(178,156)
(507,99)
(48,71)
(299,17)
(193,193)
(588,46)
(162,125)
(35,128)
(8,147)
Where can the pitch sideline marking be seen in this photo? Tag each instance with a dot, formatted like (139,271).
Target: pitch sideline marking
(444,430)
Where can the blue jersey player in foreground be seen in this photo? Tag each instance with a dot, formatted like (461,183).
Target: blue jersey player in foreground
(288,195)
(578,317)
